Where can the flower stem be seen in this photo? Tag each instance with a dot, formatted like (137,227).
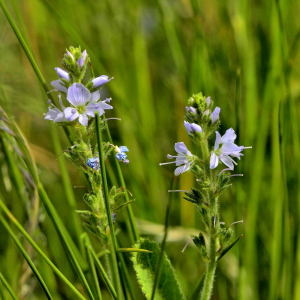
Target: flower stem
(108,210)
(131,226)
(213,226)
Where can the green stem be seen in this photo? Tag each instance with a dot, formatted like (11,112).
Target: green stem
(213,226)
(212,264)
(132,229)
(110,227)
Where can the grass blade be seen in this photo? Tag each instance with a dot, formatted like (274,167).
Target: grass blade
(36,247)
(163,244)
(103,274)
(61,231)
(7,286)
(26,256)
(92,266)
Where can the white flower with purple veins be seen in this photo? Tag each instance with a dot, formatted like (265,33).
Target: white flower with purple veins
(84,104)
(227,149)
(184,159)
(54,113)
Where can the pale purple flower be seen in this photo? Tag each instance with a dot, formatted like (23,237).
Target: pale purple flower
(207,101)
(100,81)
(54,113)
(80,62)
(84,55)
(62,74)
(192,127)
(59,86)
(190,110)
(215,114)
(70,54)
(184,159)
(227,149)
(84,104)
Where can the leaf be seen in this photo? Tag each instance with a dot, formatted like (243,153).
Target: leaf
(229,247)
(145,265)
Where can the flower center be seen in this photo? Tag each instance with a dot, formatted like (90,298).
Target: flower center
(81,109)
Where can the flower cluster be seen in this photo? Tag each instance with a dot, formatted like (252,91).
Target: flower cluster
(121,155)
(200,122)
(83,100)
(78,104)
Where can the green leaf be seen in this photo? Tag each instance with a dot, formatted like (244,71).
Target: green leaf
(145,266)
(229,247)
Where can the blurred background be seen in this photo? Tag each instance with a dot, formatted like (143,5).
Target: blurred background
(244,54)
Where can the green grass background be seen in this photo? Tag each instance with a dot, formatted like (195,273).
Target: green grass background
(244,54)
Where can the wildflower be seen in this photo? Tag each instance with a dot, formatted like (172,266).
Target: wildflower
(62,74)
(59,86)
(121,155)
(80,62)
(190,110)
(93,163)
(228,148)
(184,159)
(84,104)
(113,215)
(84,55)
(192,127)
(100,81)
(54,113)
(215,114)
(207,101)
(70,55)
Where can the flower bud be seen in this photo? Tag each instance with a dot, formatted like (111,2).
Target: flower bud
(70,54)
(190,110)
(215,114)
(100,81)
(207,101)
(84,55)
(196,128)
(62,74)
(80,62)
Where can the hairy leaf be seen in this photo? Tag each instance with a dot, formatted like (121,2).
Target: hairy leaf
(145,264)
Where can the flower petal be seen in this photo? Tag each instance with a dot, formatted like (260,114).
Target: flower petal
(187,126)
(214,160)
(181,148)
(124,149)
(207,101)
(78,95)
(100,81)
(228,137)
(196,128)
(227,161)
(228,148)
(215,114)
(58,85)
(217,142)
(80,62)
(95,96)
(83,119)
(179,170)
(71,113)
(62,74)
